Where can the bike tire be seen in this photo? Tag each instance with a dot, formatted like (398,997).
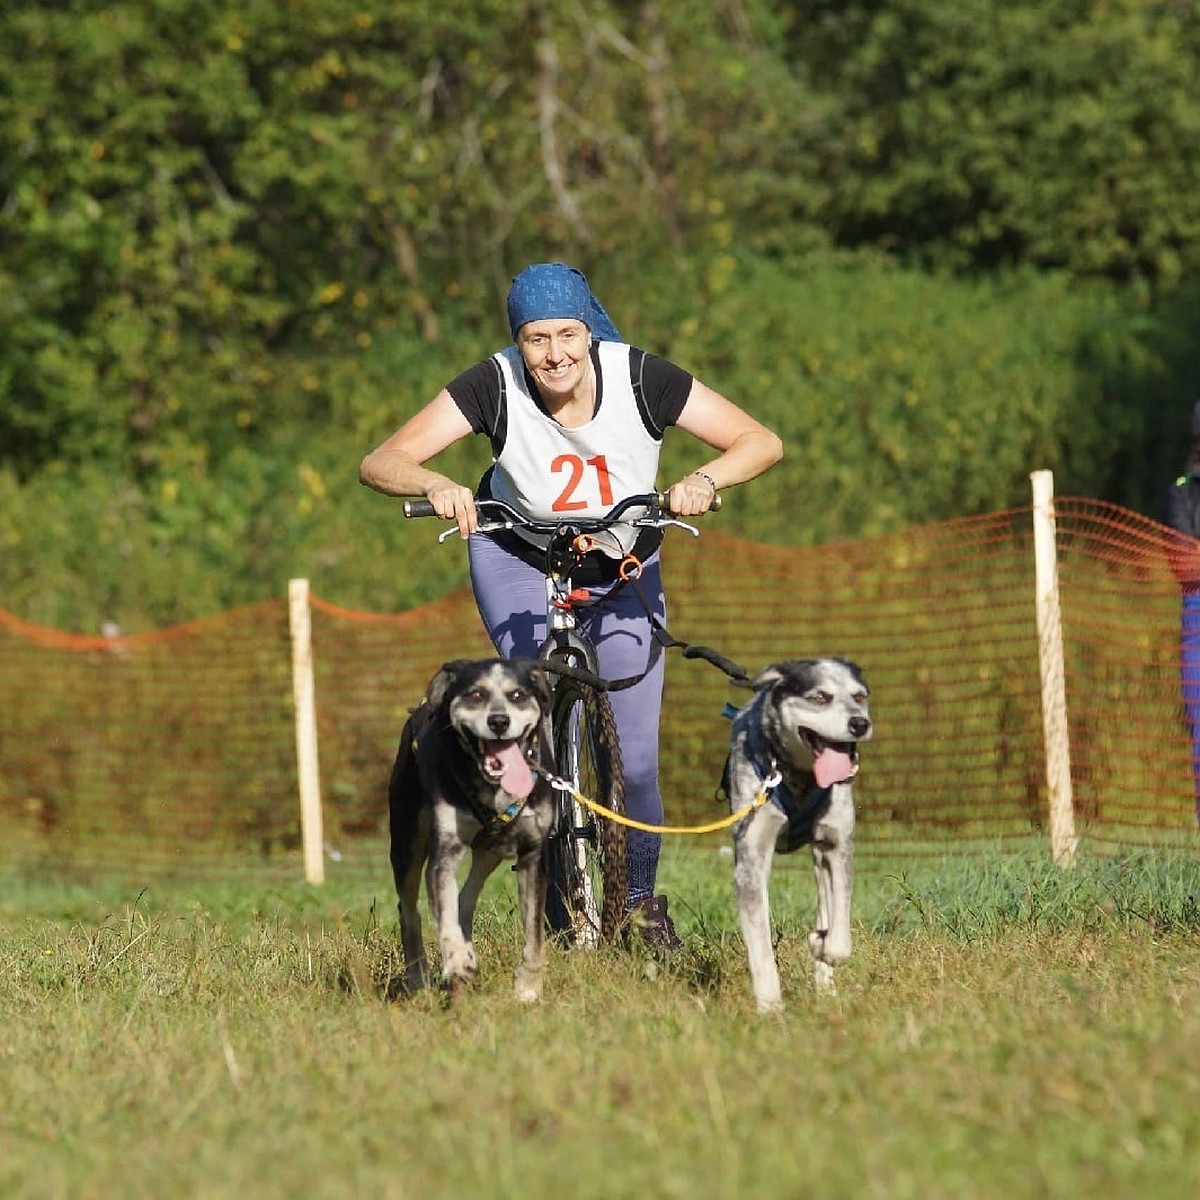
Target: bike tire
(586,854)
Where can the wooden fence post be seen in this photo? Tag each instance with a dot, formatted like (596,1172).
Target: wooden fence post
(1055,731)
(305,693)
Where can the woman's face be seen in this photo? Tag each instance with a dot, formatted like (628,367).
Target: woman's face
(555,353)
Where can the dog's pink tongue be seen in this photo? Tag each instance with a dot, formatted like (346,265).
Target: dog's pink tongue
(832,766)
(517,779)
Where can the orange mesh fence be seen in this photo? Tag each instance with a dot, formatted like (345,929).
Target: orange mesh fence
(370,670)
(174,752)
(169,752)
(1130,745)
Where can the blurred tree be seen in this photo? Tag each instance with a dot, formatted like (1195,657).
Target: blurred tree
(986,133)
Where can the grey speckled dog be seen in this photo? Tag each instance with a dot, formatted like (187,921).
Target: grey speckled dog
(462,783)
(798,738)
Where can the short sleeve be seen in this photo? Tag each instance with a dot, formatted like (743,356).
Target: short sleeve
(664,388)
(477,393)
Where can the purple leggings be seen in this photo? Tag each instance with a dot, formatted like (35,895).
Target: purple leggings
(511,596)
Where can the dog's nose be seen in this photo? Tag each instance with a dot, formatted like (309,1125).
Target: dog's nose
(859,726)
(498,723)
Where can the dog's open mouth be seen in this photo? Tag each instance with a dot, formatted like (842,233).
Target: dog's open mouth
(504,761)
(833,762)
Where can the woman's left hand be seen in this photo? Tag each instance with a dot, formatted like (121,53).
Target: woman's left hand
(691,496)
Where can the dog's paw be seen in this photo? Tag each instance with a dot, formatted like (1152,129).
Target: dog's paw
(527,987)
(823,978)
(397,988)
(405,984)
(827,949)
(455,989)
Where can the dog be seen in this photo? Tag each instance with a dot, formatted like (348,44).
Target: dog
(796,743)
(465,780)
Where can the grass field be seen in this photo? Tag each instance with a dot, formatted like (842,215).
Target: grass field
(1005,1029)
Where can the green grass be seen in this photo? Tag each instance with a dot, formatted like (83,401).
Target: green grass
(1005,1029)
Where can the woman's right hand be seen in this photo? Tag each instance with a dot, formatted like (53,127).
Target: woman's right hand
(453,502)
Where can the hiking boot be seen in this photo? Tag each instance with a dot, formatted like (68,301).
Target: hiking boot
(649,922)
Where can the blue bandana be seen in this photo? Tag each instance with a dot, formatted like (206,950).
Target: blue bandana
(548,290)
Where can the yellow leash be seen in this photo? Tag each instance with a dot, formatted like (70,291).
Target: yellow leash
(764,794)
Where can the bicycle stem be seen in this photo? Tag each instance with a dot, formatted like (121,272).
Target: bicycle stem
(560,616)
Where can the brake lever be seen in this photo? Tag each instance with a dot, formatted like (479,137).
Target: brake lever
(662,521)
(453,530)
(492,526)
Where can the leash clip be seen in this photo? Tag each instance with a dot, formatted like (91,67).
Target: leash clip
(555,781)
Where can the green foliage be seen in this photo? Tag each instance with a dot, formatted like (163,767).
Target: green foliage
(195,188)
(995,132)
(901,397)
(1144,366)
(192,189)
(240,242)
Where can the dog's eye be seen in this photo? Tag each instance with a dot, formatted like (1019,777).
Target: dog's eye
(859,697)
(820,698)
(476,695)
(516,695)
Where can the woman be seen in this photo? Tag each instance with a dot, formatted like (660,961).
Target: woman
(576,420)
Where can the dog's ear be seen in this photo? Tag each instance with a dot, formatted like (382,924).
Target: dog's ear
(440,684)
(539,683)
(856,671)
(766,677)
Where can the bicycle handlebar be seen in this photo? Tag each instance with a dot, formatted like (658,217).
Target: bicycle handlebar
(506,516)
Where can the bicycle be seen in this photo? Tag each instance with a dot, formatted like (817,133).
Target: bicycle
(586,858)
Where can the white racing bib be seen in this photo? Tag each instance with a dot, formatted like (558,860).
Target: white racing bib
(556,474)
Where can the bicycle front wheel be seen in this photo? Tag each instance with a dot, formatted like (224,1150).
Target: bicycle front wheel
(586,858)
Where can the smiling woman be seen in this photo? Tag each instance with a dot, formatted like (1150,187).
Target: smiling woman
(576,419)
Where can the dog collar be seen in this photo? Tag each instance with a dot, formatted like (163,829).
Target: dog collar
(493,822)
